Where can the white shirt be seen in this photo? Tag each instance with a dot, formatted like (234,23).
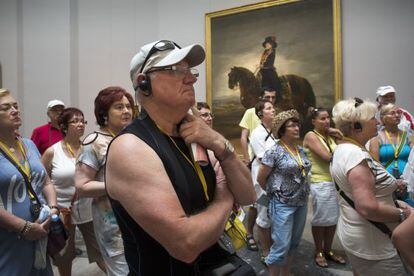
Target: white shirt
(63,178)
(259,145)
(357,234)
(408,174)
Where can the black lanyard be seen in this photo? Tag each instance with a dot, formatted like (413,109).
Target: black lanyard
(269,133)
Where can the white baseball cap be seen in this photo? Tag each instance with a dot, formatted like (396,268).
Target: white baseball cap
(164,53)
(384,90)
(54,103)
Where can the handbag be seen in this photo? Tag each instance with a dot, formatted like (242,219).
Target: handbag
(234,235)
(236,231)
(66,213)
(56,241)
(233,265)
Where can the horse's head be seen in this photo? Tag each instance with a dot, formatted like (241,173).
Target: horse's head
(233,78)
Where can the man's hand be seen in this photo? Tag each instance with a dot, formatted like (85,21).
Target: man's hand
(222,193)
(195,130)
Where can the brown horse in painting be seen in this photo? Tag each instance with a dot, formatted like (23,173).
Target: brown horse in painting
(297,91)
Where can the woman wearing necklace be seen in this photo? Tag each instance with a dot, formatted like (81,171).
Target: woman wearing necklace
(392,146)
(24,187)
(368,213)
(262,139)
(283,174)
(319,147)
(113,111)
(59,161)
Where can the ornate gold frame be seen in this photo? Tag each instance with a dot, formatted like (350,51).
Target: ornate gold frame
(336,6)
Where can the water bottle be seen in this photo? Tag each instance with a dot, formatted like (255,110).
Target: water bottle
(44,213)
(56,227)
(57,236)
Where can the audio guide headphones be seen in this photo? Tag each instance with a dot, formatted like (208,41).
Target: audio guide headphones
(145,84)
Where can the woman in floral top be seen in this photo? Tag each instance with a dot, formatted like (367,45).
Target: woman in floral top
(283,173)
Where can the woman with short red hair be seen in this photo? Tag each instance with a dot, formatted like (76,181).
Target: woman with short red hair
(113,112)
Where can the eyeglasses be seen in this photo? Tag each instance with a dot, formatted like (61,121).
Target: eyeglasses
(161,45)
(207,114)
(77,122)
(178,71)
(394,113)
(358,102)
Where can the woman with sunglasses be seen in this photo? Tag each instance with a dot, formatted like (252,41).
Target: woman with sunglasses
(113,111)
(392,146)
(24,187)
(59,161)
(368,213)
(283,174)
(319,146)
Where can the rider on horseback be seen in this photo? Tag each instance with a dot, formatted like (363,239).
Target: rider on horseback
(267,68)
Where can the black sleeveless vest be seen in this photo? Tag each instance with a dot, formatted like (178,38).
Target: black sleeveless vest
(145,256)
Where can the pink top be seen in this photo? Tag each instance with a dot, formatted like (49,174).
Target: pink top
(46,136)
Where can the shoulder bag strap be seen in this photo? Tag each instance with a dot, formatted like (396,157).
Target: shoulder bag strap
(380,225)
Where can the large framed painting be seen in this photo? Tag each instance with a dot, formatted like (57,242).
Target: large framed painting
(293,46)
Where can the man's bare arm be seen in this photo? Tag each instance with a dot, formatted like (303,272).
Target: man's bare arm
(145,191)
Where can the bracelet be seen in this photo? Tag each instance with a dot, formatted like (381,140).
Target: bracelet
(26,228)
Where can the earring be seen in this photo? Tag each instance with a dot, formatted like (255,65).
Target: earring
(106,120)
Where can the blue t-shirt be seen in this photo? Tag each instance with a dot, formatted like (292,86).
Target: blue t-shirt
(17,255)
(285,181)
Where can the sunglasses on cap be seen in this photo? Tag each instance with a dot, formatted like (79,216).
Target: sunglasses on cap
(160,46)
(358,102)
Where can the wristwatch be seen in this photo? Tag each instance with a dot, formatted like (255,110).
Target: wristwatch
(403,216)
(228,150)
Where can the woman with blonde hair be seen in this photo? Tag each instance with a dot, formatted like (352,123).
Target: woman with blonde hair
(368,214)
(24,190)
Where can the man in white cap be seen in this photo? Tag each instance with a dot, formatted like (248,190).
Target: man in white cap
(387,94)
(169,208)
(50,133)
